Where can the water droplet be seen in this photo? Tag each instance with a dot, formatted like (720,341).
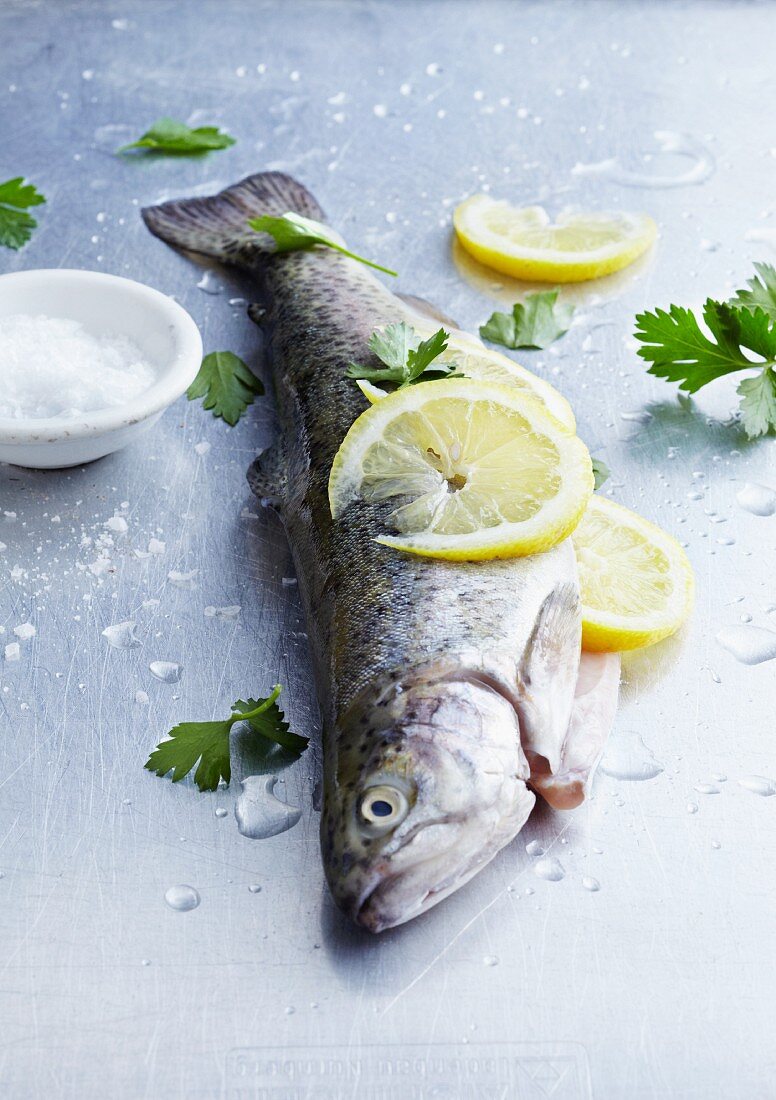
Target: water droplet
(254,888)
(627,757)
(169,672)
(209,284)
(534,849)
(141,697)
(637,416)
(591,884)
(290,1010)
(221,812)
(122,635)
(669,143)
(259,812)
(550,869)
(749,644)
(757,499)
(716,844)
(226,614)
(182,898)
(706,788)
(758,784)
(491,960)
(692,807)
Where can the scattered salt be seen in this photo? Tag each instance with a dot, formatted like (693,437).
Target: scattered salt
(117,524)
(156,547)
(182,580)
(25,631)
(12,651)
(54,367)
(202,448)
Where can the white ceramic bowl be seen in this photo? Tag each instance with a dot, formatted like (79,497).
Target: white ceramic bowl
(104,304)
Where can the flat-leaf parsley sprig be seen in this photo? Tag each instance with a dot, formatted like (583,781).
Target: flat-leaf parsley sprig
(535,323)
(173,138)
(227,384)
(742,337)
(294,233)
(209,742)
(407,358)
(16,225)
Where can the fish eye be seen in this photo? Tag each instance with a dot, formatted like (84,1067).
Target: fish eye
(383,806)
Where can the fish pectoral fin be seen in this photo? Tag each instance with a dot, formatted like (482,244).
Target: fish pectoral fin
(592,717)
(428,310)
(268,475)
(548,672)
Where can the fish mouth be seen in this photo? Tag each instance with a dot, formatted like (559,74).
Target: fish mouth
(378,909)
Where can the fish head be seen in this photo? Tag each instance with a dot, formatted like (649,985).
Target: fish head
(423,790)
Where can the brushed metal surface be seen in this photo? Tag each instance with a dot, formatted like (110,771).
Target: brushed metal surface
(659,984)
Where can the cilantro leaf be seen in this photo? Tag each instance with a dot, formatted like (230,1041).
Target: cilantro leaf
(271,724)
(535,323)
(406,356)
(227,385)
(681,352)
(16,225)
(189,742)
(743,337)
(176,139)
(208,742)
(761,291)
(294,233)
(601,473)
(758,403)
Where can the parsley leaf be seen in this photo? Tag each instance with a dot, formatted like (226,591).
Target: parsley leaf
(208,742)
(601,473)
(761,292)
(680,351)
(176,139)
(758,402)
(227,385)
(535,323)
(406,356)
(16,225)
(294,233)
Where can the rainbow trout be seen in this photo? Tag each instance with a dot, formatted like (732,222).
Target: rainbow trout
(442,685)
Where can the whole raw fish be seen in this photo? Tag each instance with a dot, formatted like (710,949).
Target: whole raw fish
(442,685)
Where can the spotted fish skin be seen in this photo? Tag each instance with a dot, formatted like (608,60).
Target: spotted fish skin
(437,681)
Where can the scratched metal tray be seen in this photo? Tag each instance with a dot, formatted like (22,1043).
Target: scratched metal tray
(658,984)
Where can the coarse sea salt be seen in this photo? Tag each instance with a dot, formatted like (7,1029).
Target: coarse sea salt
(54,367)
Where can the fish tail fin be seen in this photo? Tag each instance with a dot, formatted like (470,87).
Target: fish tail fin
(217,226)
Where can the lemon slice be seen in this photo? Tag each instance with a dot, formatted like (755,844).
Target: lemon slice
(522,242)
(481,364)
(475,469)
(636,581)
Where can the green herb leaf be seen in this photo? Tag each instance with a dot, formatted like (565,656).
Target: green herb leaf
(681,352)
(208,742)
(743,337)
(406,357)
(758,403)
(601,473)
(227,385)
(16,225)
(176,139)
(266,719)
(294,233)
(761,292)
(535,323)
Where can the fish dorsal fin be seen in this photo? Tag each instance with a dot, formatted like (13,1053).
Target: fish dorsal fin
(428,310)
(548,673)
(268,475)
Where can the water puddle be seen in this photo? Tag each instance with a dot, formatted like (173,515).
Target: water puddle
(757,499)
(697,162)
(627,757)
(259,812)
(751,645)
